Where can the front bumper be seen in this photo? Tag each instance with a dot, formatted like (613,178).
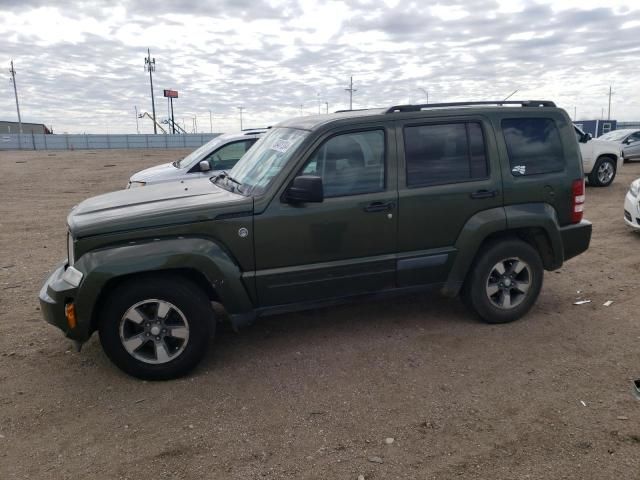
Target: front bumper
(575,238)
(632,211)
(54,295)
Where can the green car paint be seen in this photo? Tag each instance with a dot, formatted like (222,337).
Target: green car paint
(257,253)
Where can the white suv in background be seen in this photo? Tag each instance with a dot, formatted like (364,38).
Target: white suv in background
(600,159)
(221,153)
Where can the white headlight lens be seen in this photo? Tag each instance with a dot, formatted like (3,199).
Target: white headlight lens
(635,187)
(137,184)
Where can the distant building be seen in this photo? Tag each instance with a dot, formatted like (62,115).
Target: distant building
(13,127)
(597,127)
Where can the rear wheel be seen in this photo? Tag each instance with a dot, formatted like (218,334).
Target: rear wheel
(158,329)
(504,282)
(603,173)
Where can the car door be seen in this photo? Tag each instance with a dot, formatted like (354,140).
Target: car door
(631,146)
(445,177)
(344,245)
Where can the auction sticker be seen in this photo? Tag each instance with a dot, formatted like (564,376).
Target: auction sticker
(281,146)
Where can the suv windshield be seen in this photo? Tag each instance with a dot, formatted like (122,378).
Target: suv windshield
(199,152)
(265,160)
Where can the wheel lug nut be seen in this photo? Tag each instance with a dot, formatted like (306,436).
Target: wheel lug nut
(157,338)
(148,334)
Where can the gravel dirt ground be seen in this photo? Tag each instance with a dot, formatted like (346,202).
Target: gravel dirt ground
(315,394)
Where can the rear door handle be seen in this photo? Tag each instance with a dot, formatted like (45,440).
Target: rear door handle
(484,194)
(379,206)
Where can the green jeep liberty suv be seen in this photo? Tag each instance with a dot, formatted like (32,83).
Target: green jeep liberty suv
(476,198)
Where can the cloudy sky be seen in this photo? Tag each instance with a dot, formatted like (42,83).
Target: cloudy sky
(80,65)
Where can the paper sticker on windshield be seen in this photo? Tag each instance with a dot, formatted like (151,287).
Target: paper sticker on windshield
(519,169)
(281,146)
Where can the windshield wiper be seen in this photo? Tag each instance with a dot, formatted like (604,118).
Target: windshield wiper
(225,174)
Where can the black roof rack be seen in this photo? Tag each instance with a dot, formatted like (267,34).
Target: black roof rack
(418,107)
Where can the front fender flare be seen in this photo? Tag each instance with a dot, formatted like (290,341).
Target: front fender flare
(202,255)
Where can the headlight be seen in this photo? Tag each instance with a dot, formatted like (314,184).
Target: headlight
(136,184)
(635,187)
(70,256)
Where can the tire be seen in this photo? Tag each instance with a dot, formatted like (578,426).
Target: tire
(156,329)
(603,173)
(485,289)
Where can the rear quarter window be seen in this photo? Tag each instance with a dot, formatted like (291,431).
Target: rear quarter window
(534,146)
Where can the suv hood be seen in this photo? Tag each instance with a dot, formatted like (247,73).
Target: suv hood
(156,205)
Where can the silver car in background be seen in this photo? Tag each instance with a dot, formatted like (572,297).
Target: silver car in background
(221,153)
(629,141)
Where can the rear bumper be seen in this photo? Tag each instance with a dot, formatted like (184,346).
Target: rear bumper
(54,295)
(575,239)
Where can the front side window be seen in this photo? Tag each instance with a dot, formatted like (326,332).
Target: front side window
(444,153)
(226,157)
(533,145)
(350,164)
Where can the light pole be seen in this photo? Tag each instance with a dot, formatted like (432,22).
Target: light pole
(15,91)
(137,127)
(210,122)
(150,66)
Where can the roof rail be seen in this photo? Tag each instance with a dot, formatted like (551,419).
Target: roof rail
(252,130)
(418,107)
(354,110)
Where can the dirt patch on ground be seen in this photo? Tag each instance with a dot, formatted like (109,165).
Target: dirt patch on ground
(315,394)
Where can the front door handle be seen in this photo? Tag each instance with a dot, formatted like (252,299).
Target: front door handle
(379,207)
(484,194)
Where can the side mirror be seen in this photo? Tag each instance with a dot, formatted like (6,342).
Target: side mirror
(305,189)
(587,137)
(204,166)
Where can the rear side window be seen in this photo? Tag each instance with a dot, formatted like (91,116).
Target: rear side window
(444,153)
(533,145)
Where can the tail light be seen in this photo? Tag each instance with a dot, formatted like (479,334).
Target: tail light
(577,200)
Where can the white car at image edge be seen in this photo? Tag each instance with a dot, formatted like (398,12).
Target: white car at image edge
(220,153)
(631,205)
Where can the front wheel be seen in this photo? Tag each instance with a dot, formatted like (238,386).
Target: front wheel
(603,173)
(156,329)
(504,281)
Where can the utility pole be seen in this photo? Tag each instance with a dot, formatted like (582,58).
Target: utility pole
(150,65)
(210,122)
(575,113)
(241,109)
(351,90)
(609,111)
(327,105)
(15,91)
(137,126)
